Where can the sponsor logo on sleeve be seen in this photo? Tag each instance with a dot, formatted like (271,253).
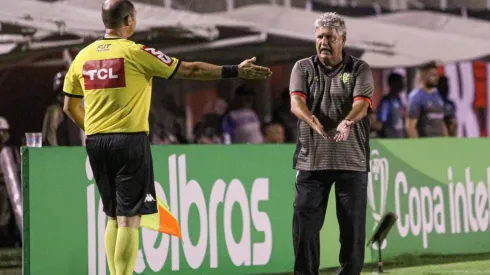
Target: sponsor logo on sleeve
(160,55)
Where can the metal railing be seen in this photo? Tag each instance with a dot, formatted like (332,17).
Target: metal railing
(228,5)
(387,4)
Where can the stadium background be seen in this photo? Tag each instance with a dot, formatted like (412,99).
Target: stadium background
(40,38)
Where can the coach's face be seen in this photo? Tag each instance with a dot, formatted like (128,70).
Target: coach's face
(329,43)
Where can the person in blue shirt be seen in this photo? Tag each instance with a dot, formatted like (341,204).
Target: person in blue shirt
(391,112)
(426,107)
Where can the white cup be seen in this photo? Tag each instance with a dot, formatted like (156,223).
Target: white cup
(34,140)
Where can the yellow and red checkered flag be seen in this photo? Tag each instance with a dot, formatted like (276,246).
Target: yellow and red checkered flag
(163,221)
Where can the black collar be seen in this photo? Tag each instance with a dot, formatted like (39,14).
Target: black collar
(110,38)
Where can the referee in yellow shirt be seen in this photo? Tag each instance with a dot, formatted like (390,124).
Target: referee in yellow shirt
(114,76)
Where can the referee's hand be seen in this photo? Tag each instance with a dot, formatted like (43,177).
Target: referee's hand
(248,70)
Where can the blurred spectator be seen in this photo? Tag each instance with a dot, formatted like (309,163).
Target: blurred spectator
(376,126)
(211,128)
(159,135)
(208,130)
(165,131)
(274,133)
(242,124)
(426,107)
(177,131)
(218,107)
(283,115)
(205,134)
(449,107)
(4,132)
(58,128)
(391,112)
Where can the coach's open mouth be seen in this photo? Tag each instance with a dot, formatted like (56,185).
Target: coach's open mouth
(324,50)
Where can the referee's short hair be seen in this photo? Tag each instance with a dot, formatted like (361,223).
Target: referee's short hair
(114,14)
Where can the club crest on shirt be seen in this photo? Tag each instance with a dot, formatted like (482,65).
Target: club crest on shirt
(345,77)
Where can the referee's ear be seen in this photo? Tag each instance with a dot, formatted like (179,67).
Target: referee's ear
(126,20)
(344,38)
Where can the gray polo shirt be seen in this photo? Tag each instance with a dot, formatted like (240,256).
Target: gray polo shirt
(330,93)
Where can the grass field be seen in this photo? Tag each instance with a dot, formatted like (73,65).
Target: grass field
(478,264)
(10,264)
(469,268)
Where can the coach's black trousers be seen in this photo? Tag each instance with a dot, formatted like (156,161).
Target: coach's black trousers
(310,205)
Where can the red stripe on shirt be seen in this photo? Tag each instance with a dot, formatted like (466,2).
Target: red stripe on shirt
(301,94)
(364,98)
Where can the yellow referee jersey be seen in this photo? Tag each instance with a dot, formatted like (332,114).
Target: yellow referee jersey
(114,77)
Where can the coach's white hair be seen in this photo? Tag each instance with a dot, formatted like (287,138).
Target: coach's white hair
(331,20)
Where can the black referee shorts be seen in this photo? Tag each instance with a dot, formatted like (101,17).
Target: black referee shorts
(123,170)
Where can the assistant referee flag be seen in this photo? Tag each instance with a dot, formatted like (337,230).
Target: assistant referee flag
(163,221)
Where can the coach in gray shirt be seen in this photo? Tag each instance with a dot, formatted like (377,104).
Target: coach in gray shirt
(331,95)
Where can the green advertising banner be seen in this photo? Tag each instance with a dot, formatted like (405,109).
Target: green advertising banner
(440,191)
(235,205)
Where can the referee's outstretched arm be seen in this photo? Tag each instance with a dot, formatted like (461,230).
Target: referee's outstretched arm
(205,71)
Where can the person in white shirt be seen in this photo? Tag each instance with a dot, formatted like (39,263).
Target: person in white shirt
(242,124)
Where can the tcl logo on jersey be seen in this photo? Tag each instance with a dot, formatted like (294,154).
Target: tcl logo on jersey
(158,54)
(104,74)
